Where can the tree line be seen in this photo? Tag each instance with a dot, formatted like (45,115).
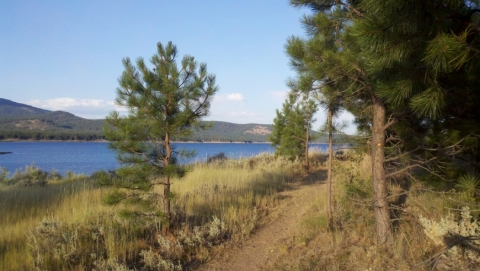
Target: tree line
(50,135)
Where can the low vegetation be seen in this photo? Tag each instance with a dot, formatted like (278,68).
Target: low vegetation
(63,225)
(434,229)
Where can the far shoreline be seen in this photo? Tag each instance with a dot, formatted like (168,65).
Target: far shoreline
(106,141)
(13,140)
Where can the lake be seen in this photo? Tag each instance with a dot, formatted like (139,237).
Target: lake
(89,157)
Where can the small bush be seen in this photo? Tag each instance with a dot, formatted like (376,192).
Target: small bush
(469,184)
(4,175)
(155,262)
(113,265)
(32,176)
(457,239)
(56,245)
(71,246)
(217,157)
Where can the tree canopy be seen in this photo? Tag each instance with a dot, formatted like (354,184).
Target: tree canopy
(291,127)
(403,77)
(166,101)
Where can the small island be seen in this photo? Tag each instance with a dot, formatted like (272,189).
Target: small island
(5,152)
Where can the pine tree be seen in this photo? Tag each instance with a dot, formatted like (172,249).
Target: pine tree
(401,74)
(331,100)
(322,66)
(328,96)
(165,102)
(291,128)
(333,58)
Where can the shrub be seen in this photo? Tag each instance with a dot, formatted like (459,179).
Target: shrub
(71,246)
(3,175)
(469,184)
(458,240)
(113,265)
(217,157)
(56,245)
(32,176)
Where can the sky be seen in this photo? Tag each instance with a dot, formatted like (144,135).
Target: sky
(67,55)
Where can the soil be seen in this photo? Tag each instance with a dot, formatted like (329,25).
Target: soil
(280,234)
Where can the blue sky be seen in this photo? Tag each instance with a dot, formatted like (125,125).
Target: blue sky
(66,55)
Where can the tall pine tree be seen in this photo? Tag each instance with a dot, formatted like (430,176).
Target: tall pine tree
(164,102)
(400,73)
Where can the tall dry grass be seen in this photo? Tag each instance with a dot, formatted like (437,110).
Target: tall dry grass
(427,228)
(236,191)
(64,225)
(23,208)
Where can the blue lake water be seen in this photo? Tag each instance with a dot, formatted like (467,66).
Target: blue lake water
(89,157)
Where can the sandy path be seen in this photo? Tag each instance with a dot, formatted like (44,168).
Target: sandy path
(274,239)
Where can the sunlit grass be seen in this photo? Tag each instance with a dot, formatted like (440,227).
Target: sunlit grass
(22,208)
(234,191)
(351,244)
(238,192)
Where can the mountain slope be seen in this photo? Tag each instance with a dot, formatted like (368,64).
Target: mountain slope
(226,131)
(9,108)
(21,121)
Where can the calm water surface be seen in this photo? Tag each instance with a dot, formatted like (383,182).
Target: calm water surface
(89,157)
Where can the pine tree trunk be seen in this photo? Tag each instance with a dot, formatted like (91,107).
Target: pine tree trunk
(307,140)
(329,175)
(166,188)
(382,214)
(166,205)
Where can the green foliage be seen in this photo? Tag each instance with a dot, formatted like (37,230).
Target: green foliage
(429,102)
(164,103)
(4,175)
(31,176)
(290,127)
(469,184)
(448,51)
(419,65)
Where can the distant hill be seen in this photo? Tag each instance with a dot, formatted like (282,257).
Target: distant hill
(25,122)
(10,108)
(57,120)
(226,131)
(21,121)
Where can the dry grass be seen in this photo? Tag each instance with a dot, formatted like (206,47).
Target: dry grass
(23,208)
(351,246)
(65,226)
(225,199)
(235,191)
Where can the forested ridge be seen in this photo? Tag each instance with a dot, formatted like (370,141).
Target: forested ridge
(23,122)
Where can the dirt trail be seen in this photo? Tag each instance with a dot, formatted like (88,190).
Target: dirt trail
(275,238)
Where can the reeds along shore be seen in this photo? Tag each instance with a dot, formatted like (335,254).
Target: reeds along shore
(63,225)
